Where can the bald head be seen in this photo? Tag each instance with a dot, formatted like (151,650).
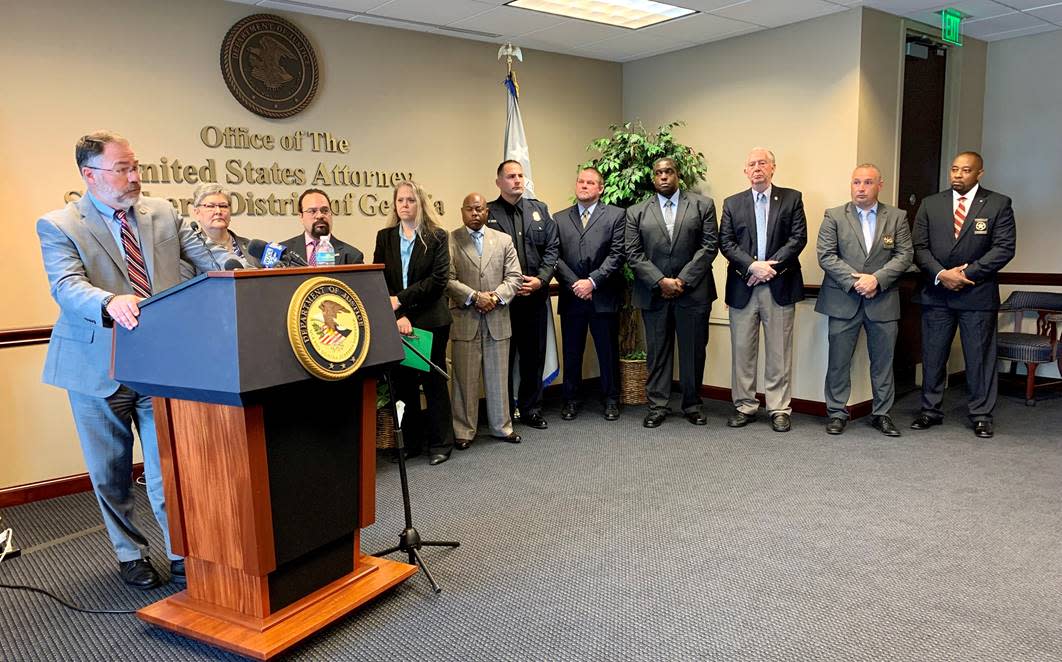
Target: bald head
(474,211)
(866,185)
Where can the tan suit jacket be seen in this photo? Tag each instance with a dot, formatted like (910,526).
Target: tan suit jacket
(498,270)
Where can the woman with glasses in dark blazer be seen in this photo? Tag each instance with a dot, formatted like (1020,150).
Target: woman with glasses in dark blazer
(415,253)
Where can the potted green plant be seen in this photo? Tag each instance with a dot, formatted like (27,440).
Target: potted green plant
(626,162)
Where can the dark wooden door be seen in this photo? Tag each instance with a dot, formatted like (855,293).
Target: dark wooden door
(921,141)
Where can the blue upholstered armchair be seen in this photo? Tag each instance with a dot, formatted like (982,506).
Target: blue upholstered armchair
(1032,349)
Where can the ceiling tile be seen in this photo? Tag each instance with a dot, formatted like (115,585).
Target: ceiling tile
(342,5)
(1052,13)
(510,21)
(1029,4)
(1024,32)
(393,23)
(976,10)
(575,34)
(1015,21)
(431,11)
(773,13)
(901,7)
(704,5)
(699,28)
(303,9)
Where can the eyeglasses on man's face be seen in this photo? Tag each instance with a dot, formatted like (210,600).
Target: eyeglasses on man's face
(122,170)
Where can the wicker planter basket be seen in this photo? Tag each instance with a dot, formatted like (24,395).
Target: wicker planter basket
(385,429)
(633,376)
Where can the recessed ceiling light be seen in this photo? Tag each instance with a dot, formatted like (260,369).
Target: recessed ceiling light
(632,14)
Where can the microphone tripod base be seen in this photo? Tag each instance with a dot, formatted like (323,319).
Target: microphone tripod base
(409,543)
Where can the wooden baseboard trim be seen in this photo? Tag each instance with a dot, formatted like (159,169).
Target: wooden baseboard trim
(49,489)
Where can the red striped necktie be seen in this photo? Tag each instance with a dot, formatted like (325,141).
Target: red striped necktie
(134,259)
(960,215)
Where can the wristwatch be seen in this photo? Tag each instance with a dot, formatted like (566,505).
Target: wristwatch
(103,306)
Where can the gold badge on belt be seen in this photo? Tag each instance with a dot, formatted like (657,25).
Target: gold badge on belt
(328,328)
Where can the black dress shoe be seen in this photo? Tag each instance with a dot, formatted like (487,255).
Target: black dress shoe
(885,426)
(177,575)
(836,425)
(611,411)
(535,420)
(653,419)
(983,429)
(740,419)
(462,444)
(697,418)
(569,411)
(439,458)
(139,574)
(511,439)
(780,422)
(924,422)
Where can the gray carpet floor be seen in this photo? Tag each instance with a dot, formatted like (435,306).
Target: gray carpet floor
(607,541)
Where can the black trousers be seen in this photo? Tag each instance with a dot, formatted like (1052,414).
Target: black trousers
(662,326)
(977,333)
(604,328)
(528,318)
(434,426)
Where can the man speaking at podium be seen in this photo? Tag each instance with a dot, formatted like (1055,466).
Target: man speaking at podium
(103,254)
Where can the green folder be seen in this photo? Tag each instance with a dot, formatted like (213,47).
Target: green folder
(420,339)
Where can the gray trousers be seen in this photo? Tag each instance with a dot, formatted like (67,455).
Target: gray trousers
(777,323)
(881,345)
(105,427)
(480,361)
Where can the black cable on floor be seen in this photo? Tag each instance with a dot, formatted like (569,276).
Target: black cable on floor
(68,605)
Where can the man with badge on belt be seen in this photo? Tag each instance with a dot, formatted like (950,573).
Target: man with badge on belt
(528,223)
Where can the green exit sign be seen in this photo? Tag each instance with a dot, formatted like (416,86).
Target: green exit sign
(951,26)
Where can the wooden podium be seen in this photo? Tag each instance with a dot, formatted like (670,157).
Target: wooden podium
(269,472)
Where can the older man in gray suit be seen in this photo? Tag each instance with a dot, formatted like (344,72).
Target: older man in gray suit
(864,247)
(671,240)
(103,254)
(484,277)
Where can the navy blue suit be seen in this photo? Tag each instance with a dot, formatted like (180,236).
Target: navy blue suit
(986,244)
(594,252)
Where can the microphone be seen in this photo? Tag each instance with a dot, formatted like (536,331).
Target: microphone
(274,254)
(233,264)
(198,232)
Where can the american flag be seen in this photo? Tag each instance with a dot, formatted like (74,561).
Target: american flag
(328,336)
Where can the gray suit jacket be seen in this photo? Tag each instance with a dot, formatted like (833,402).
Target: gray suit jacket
(652,255)
(498,270)
(841,253)
(85,266)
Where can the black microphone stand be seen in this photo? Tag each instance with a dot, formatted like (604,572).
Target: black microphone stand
(409,541)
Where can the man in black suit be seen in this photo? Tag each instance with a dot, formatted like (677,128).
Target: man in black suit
(962,238)
(591,278)
(670,241)
(762,233)
(315,212)
(534,234)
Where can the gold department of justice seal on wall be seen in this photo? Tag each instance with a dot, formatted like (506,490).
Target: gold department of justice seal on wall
(269,66)
(328,328)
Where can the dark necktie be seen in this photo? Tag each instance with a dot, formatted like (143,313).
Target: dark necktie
(134,259)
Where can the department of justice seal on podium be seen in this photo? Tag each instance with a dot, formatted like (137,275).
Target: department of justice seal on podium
(328,328)
(269,66)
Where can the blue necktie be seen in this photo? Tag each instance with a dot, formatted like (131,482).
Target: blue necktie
(761,226)
(477,237)
(870,222)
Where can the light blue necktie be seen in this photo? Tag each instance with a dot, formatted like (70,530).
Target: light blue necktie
(870,222)
(477,237)
(761,226)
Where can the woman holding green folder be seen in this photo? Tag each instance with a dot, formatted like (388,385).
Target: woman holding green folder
(416,256)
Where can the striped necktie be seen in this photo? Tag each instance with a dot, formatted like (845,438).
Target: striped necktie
(311,258)
(585,217)
(960,215)
(134,259)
